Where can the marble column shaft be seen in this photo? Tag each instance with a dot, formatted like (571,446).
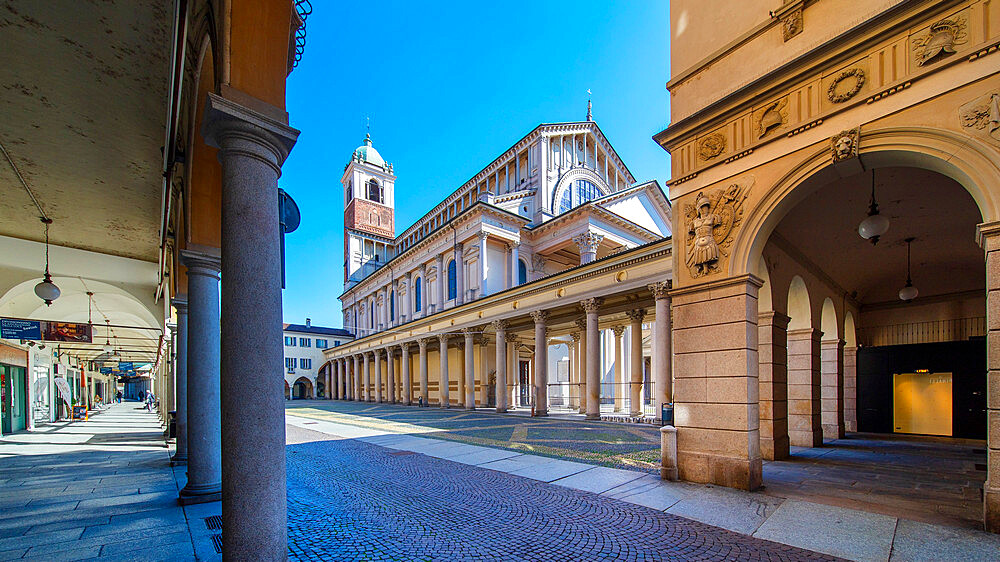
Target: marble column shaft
(501,363)
(405,367)
(591,307)
(181,360)
(541,362)
(424,392)
(470,368)
(444,392)
(378,375)
(636,361)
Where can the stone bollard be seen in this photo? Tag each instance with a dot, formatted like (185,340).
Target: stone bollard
(668,452)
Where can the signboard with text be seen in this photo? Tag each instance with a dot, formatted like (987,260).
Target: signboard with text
(43,330)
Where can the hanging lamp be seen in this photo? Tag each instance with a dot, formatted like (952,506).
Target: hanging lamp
(47,290)
(107,338)
(874,225)
(908,292)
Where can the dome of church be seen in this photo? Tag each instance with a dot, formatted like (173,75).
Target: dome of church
(367,153)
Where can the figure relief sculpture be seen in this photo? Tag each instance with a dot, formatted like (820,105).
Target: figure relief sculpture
(845,144)
(711,222)
(940,41)
(983,115)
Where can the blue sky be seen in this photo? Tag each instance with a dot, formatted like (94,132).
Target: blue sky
(448,87)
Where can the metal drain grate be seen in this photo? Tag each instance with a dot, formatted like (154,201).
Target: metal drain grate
(214,522)
(217,543)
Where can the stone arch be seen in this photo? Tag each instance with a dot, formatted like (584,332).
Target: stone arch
(799,307)
(828,320)
(965,160)
(764,302)
(850,330)
(570,178)
(302,389)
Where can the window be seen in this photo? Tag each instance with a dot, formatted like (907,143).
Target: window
(305,342)
(321,343)
(306,363)
(452,280)
(375,191)
(522,272)
(392,306)
(416,295)
(586,191)
(350,192)
(290,363)
(290,341)
(567,201)
(371,317)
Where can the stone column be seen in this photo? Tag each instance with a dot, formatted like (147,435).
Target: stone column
(423,291)
(850,389)
(617,393)
(772,350)
(588,242)
(573,400)
(515,263)
(582,370)
(391,388)
(358,393)
(470,368)
(404,366)
(663,355)
(635,339)
(459,274)
(424,393)
(252,148)
(832,388)
(442,280)
(501,384)
(460,378)
(366,381)
(484,369)
(204,362)
(989,239)
(444,392)
(715,400)
(513,367)
(591,307)
(181,384)
(483,265)
(541,362)
(378,375)
(804,427)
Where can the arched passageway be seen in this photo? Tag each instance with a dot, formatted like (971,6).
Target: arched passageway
(884,397)
(302,389)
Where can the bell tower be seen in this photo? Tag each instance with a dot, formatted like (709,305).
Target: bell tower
(369,217)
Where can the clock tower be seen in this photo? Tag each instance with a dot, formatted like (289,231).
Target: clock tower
(369,221)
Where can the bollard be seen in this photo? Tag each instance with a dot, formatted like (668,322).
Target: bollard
(668,452)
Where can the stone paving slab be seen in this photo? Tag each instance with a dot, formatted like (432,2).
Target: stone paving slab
(484,455)
(923,542)
(650,491)
(735,510)
(598,479)
(845,533)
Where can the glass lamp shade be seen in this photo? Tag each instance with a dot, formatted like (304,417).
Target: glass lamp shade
(47,290)
(873,225)
(908,293)
(107,348)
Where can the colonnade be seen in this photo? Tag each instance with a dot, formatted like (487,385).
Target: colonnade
(372,374)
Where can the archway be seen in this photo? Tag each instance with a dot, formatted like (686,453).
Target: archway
(851,338)
(302,389)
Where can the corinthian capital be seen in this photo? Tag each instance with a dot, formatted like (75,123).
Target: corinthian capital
(539,316)
(661,289)
(500,325)
(588,241)
(591,305)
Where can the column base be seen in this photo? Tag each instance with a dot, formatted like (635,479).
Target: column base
(593,417)
(178,460)
(501,410)
(540,414)
(991,510)
(206,495)
(744,474)
(774,449)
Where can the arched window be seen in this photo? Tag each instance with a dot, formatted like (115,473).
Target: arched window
(416,295)
(567,201)
(392,306)
(375,191)
(586,191)
(522,272)
(452,280)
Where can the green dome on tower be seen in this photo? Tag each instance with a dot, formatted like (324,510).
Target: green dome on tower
(367,153)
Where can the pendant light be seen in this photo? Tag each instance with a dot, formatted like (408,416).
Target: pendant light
(908,292)
(47,290)
(107,338)
(874,225)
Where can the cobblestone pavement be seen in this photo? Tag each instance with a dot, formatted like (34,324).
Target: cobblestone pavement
(349,500)
(629,446)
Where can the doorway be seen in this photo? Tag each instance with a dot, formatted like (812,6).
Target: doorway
(524,383)
(15,406)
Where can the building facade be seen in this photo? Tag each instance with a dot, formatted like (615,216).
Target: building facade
(816,146)
(305,377)
(479,301)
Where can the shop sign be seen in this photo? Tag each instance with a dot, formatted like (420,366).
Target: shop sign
(20,329)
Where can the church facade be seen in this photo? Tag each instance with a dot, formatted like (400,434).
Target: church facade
(518,255)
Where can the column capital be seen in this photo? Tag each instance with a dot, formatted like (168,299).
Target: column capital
(575,336)
(484,340)
(500,325)
(582,324)
(483,235)
(661,289)
(539,316)
(199,263)
(619,331)
(232,127)
(181,305)
(470,332)
(772,318)
(422,343)
(588,241)
(443,339)
(636,315)
(591,305)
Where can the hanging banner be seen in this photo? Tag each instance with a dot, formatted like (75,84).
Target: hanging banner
(42,330)
(125,366)
(105,370)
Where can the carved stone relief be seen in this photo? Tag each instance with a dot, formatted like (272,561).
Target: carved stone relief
(981,116)
(846,85)
(791,24)
(772,117)
(940,40)
(710,224)
(711,146)
(845,144)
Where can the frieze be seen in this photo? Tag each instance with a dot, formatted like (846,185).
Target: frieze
(940,40)
(711,146)
(773,117)
(845,144)
(846,85)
